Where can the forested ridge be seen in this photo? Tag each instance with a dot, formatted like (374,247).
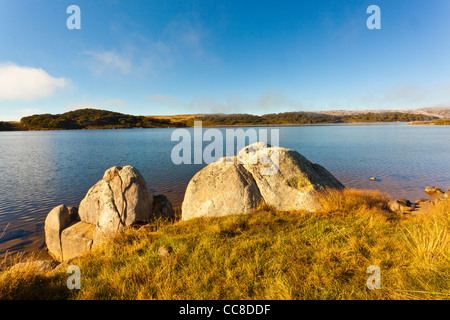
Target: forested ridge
(309,118)
(91,119)
(103,119)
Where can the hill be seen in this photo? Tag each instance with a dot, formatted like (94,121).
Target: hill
(302,117)
(11,126)
(439,112)
(103,119)
(92,119)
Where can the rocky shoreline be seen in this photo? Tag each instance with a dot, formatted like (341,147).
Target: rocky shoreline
(231,185)
(421,205)
(120,199)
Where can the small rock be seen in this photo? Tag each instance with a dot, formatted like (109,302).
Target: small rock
(37,266)
(433,190)
(401,206)
(373,178)
(404,201)
(162,208)
(164,250)
(73,213)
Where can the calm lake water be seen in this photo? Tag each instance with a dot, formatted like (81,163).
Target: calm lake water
(40,170)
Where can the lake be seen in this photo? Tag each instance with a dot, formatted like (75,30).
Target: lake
(42,169)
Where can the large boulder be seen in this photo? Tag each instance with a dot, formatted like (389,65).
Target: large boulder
(55,222)
(285,178)
(76,239)
(122,198)
(277,176)
(123,191)
(220,189)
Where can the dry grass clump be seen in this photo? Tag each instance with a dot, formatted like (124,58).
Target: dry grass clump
(351,201)
(266,255)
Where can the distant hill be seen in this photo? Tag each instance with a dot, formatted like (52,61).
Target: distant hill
(92,119)
(11,126)
(103,119)
(440,112)
(310,118)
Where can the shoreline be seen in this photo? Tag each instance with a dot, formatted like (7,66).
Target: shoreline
(90,118)
(440,122)
(337,124)
(40,252)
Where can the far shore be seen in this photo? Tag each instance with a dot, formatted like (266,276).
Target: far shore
(103,119)
(242,125)
(440,122)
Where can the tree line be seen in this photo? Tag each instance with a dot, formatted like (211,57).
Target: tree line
(310,118)
(91,119)
(102,119)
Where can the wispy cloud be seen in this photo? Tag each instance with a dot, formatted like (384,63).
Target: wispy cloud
(104,61)
(112,104)
(186,37)
(268,101)
(27,83)
(181,39)
(407,96)
(16,115)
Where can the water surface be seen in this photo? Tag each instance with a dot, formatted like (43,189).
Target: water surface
(42,169)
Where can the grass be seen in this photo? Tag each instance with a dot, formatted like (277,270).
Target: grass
(265,255)
(441,122)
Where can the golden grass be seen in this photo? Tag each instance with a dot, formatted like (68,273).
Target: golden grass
(266,255)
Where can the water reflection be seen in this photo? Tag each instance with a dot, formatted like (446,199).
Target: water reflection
(40,170)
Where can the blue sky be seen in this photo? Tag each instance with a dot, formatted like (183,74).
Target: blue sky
(174,57)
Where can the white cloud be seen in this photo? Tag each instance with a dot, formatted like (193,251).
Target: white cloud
(104,61)
(27,83)
(180,41)
(267,102)
(186,36)
(113,104)
(16,115)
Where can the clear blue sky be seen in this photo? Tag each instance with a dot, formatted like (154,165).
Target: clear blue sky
(172,57)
